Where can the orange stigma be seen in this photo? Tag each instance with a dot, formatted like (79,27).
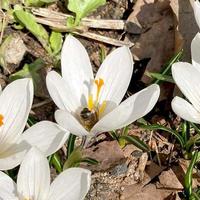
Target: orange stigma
(1,120)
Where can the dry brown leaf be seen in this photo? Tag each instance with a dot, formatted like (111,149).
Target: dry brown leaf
(108,153)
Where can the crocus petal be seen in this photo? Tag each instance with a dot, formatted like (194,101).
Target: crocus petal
(72,184)
(14,155)
(185,110)
(47,136)
(116,72)
(129,110)
(15,104)
(195,46)
(76,68)
(197,12)
(33,181)
(186,77)
(8,189)
(61,92)
(70,123)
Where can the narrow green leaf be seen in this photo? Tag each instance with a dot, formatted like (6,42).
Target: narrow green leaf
(29,21)
(56,42)
(191,142)
(82,8)
(114,135)
(31,121)
(185,131)
(188,176)
(167,67)
(56,162)
(38,3)
(136,141)
(160,77)
(74,159)
(163,128)
(70,144)
(89,161)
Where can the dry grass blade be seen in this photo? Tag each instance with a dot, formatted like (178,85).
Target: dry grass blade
(88,22)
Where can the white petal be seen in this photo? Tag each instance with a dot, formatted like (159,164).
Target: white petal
(195,47)
(187,78)
(15,104)
(14,155)
(197,12)
(47,136)
(72,184)
(129,110)
(61,92)
(33,181)
(8,189)
(76,68)
(70,123)
(185,110)
(116,71)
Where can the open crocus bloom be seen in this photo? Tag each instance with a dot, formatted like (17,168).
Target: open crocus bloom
(15,104)
(187,78)
(89,105)
(33,181)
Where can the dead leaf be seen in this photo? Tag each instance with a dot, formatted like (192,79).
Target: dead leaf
(107,153)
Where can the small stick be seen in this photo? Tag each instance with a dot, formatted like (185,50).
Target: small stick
(82,31)
(89,22)
(104,39)
(47,101)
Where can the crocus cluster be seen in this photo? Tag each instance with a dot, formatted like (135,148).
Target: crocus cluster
(88,105)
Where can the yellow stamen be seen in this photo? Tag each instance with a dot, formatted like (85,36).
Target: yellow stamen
(90,102)
(1,120)
(102,108)
(99,83)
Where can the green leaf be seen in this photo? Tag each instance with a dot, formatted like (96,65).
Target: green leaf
(56,42)
(5,4)
(56,162)
(167,67)
(82,8)
(160,77)
(70,144)
(136,141)
(29,21)
(163,128)
(90,161)
(188,176)
(38,3)
(29,70)
(74,159)
(191,142)
(33,71)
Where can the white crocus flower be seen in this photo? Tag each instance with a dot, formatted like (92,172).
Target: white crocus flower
(89,105)
(33,181)
(187,78)
(15,104)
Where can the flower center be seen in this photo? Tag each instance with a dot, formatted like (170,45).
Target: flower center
(1,120)
(90,115)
